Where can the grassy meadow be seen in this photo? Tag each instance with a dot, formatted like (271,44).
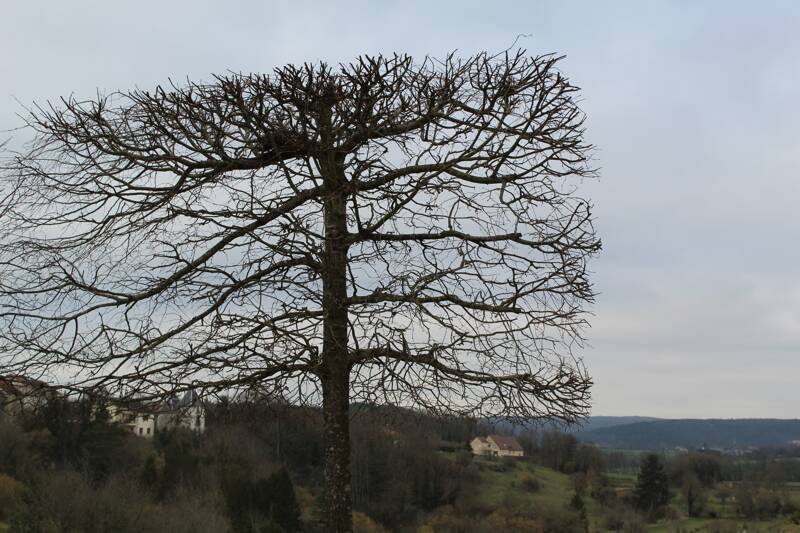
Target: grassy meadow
(555,489)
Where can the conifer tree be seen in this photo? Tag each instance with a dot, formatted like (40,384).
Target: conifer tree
(652,486)
(283,508)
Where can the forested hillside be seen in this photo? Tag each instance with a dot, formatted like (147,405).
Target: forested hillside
(711,433)
(258,465)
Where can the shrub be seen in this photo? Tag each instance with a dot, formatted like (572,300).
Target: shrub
(600,490)
(276,496)
(530,483)
(620,518)
(538,519)
(66,501)
(463,458)
(757,502)
(17,455)
(723,526)
(509,463)
(364,524)
(446,519)
(10,492)
(501,466)
(635,524)
(512,516)
(269,501)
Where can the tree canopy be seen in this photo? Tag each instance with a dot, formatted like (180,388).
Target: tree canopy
(652,484)
(382,231)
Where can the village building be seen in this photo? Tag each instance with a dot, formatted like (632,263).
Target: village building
(20,394)
(497,445)
(145,419)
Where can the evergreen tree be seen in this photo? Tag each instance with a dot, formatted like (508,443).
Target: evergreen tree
(240,495)
(279,500)
(577,504)
(652,486)
(100,440)
(148,476)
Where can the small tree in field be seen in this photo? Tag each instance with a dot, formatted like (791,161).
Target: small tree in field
(386,231)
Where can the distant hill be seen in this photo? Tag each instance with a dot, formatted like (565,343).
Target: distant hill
(590,424)
(693,433)
(600,422)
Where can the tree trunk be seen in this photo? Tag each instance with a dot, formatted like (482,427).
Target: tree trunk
(338,500)
(336,367)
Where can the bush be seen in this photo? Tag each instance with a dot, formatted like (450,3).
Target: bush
(497,464)
(635,524)
(17,456)
(269,501)
(601,491)
(446,519)
(671,514)
(509,463)
(276,496)
(538,519)
(757,502)
(463,458)
(723,526)
(66,501)
(192,512)
(11,491)
(510,517)
(530,483)
(620,518)
(364,524)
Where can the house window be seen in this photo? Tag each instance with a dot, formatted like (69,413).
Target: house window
(148,431)
(140,431)
(197,421)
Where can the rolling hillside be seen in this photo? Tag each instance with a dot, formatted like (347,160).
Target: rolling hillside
(694,433)
(600,422)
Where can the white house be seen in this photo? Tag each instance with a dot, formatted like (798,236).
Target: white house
(145,419)
(498,445)
(188,412)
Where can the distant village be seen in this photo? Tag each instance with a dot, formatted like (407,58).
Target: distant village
(20,394)
(74,439)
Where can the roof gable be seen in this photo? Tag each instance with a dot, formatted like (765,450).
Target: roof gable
(505,443)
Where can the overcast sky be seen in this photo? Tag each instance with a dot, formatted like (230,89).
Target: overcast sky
(695,110)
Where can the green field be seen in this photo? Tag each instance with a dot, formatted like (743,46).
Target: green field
(499,487)
(555,489)
(703,525)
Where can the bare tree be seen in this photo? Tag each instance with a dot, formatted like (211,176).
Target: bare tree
(381,231)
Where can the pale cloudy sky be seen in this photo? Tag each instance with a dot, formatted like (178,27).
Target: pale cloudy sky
(695,108)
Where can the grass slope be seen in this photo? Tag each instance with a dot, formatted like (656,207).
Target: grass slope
(704,525)
(498,488)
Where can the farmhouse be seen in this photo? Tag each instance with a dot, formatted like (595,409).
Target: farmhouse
(496,445)
(145,419)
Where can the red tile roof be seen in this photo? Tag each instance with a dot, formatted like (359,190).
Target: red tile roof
(506,443)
